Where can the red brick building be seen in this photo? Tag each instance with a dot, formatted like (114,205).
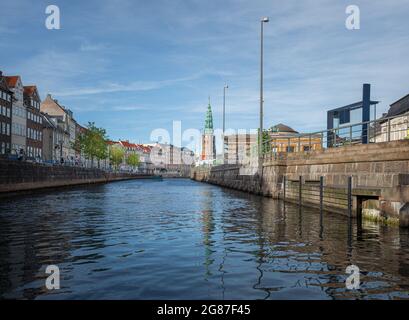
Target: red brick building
(34,122)
(6,98)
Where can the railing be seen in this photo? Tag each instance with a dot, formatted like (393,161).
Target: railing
(375,131)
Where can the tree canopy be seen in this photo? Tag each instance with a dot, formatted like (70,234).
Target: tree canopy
(92,142)
(133,160)
(116,155)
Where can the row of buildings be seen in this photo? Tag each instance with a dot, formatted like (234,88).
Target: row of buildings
(34,129)
(342,129)
(241,148)
(46,130)
(158,158)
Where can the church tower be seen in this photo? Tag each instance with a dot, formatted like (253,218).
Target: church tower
(208,138)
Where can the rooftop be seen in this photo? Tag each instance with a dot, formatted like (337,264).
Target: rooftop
(282,128)
(399,107)
(12,80)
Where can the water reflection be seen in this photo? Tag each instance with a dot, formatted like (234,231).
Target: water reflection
(178,239)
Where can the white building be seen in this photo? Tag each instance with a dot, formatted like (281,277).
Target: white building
(395,125)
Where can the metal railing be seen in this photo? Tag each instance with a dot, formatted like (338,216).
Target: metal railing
(375,131)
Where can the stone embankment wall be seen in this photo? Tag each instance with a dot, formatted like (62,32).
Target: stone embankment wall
(23,176)
(380,179)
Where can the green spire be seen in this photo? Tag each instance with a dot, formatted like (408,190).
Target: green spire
(209,119)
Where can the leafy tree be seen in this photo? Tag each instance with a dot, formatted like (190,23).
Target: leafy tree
(133,160)
(92,143)
(266,145)
(116,155)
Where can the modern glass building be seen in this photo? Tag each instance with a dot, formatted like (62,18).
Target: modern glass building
(355,113)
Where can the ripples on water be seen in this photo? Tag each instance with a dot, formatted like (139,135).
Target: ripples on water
(179,239)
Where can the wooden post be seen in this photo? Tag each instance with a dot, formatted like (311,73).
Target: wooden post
(321,194)
(300,191)
(350,197)
(284,186)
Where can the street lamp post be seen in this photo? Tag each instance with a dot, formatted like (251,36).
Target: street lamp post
(224,117)
(260,139)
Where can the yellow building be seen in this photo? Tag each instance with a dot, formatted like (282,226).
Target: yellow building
(285,139)
(242,148)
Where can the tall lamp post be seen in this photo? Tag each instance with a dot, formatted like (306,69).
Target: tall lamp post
(224,118)
(260,139)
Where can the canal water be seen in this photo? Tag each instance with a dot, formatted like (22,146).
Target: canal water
(180,239)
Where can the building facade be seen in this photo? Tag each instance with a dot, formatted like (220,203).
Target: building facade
(63,118)
(49,139)
(242,148)
(6,102)
(18,117)
(171,159)
(285,139)
(394,125)
(53,135)
(34,141)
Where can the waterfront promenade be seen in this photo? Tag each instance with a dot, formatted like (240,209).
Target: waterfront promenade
(21,176)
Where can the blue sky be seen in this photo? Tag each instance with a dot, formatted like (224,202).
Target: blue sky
(133,66)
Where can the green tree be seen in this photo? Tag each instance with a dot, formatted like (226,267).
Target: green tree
(92,143)
(133,160)
(266,144)
(116,155)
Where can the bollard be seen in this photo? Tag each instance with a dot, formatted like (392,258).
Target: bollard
(350,197)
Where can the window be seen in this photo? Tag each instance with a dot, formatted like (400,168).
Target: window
(306,148)
(290,149)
